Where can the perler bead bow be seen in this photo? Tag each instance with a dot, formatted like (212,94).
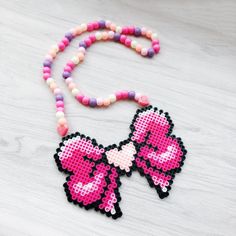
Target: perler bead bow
(94,171)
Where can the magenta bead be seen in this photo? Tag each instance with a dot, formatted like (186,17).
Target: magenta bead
(68,68)
(124,94)
(128,42)
(95,25)
(71,64)
(131,29)
(61,46)
(65,41)
(156,48)
(155,41)
(92,38)
(118,95)
(85,100)
(60,104)
(125,30)
(79,97)
(89,27)
(46,76)
(88,42)
(123,38)
(46,70)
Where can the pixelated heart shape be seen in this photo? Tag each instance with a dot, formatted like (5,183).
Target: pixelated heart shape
(122,157)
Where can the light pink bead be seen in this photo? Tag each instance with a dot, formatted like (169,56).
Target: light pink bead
(69,80)
(143,31)
(144,52)
(128,42)
(60,109)
(85,100)
(57,91)
(123,38)
(61,46)
(65,41)
(60,104)
(49,58)
(100,102)
(82,49)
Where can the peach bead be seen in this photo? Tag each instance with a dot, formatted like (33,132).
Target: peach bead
(81,56)
(149,34)
(104,35)
(113,27)
(62,121)
(53,86)
(138,48)
(106,102)
(71,85)
(78,30)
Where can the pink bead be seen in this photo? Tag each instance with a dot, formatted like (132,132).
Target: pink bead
(60,109)
(90,27)
(68,68)
(125,30)
(143,101)
(65,41)
(61,46)
(46,70)
(128,42)
(46,76)
(92,38)
(88,42)
(156,48)
(95,25)
(79,97)
(62,129)
(71,64)
(124,94)
(59,104)
(118,95)
(131,29)
(85,100)
(123,38)
(155,41)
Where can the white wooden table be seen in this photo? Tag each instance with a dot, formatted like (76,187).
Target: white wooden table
(193,78)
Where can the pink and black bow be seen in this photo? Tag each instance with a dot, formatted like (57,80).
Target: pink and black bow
(94,171)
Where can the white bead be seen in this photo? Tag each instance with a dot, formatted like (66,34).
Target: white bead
(60,114)
(75,91)
(111,34)
(55,48)
(98,35)
(75,60)
(118,29)
(112,98)
(154,36)
(50,80)
(83,27)
(133,44)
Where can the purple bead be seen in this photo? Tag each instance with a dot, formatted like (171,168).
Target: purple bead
(102,24)
(137,31)
(131,94)
(66,74)
(47,63)
(82,44)
(93,102)
(69,36)
(117,37)
(150,53)
(59,97)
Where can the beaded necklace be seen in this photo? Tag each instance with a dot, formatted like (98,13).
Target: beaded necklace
(94,171)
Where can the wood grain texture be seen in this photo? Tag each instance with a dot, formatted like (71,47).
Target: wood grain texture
(193,78)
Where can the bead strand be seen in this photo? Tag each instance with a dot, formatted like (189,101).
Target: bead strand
(115,33)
